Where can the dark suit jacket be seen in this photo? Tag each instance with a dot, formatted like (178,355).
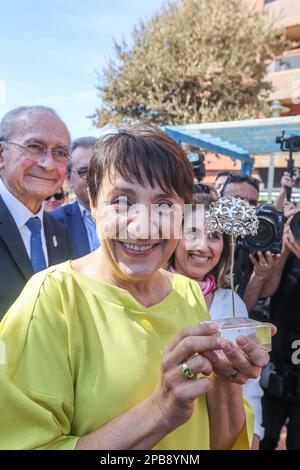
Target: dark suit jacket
(15,264)
(71,217)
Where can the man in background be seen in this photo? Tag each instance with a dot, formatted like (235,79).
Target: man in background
(243,186)
(77,216)
(56,200)
(34,154)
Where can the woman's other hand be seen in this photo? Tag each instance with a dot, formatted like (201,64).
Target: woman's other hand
(241,361)
(176,393)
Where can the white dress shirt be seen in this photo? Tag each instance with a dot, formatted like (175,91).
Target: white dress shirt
(21,214)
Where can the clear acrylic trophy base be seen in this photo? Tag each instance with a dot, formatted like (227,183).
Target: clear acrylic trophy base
(260,333)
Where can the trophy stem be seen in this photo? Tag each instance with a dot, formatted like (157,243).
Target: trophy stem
(231,275)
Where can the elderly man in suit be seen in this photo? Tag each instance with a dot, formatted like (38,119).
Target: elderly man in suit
(34,152)
(76,216)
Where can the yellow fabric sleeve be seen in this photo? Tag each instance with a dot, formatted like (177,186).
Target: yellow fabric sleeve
(36,401)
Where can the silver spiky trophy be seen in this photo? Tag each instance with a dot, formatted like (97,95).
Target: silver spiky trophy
(237,218)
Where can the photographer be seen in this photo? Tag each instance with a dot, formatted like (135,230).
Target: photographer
(243,186)
(281,380)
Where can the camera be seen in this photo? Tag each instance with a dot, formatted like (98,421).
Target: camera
(280,384)
(197,161)
(201,188)
(270,231)
(289,144)
(268,238)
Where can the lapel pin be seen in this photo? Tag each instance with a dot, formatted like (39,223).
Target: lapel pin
(54,241)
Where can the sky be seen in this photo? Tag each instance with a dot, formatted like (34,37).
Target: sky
(50,51)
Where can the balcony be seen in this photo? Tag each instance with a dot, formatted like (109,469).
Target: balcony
(284,73)
(287,14)
(286,85)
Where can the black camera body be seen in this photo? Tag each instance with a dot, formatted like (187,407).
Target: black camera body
(268,238)
(282,385)
(197,161)
(289,144)
(201,188)
(270,231)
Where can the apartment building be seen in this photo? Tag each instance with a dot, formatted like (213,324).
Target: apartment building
(284,73)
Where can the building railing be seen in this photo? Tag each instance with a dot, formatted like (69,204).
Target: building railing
(289,61)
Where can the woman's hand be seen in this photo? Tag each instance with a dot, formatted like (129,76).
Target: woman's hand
(176,392)
(263,264)
(241,361)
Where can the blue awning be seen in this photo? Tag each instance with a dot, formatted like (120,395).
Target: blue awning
(207,142)
(251,136)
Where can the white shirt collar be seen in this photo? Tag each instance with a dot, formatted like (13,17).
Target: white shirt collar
(20,213)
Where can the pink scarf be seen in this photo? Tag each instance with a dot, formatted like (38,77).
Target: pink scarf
(208,285)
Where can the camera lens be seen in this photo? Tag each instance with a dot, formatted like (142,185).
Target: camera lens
(295,143)
(295,226)
(264,237)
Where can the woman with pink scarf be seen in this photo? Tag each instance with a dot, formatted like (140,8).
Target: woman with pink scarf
(208,263)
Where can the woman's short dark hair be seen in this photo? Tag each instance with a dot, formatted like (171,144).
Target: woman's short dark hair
(138,152)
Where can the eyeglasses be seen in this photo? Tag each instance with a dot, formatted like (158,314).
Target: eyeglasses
(81,172)
(57,196)
(61,156)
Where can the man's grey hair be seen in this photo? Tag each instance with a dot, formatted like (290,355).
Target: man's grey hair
(85,142)
(7,122)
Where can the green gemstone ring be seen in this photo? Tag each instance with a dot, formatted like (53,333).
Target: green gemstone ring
(187,371)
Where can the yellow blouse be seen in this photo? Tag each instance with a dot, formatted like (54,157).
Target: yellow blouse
(77,352)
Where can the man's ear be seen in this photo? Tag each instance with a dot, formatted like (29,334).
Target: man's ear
(2,164)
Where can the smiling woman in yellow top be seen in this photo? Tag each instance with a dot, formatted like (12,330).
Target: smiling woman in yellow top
(104,352)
